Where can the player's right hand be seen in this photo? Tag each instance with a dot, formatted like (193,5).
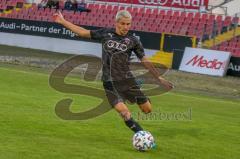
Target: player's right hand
(58,17)
(168,85)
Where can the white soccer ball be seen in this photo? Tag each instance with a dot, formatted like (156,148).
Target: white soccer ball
(143,140)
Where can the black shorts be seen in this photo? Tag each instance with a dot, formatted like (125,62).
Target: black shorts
(122,91)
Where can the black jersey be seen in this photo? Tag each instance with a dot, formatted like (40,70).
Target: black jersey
(116,53)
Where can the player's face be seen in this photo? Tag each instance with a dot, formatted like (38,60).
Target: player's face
(123,25)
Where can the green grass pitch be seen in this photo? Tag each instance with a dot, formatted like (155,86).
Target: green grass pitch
(30,129)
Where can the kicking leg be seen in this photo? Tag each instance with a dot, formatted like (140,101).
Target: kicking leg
(147,108)
(122,109)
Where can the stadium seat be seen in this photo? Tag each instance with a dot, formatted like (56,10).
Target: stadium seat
(154,11)
(232,46)
(149,19)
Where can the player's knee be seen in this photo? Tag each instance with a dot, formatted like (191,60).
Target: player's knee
(147,110)
(126,115)
(146,107)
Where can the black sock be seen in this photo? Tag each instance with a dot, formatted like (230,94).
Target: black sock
(133,125)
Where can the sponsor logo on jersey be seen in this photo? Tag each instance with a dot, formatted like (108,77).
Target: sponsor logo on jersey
(116,45)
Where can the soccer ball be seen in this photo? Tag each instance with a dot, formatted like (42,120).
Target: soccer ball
(143,141)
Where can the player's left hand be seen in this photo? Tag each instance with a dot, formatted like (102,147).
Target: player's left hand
(168,85)
(58,17)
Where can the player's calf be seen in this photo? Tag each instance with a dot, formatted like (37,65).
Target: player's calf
(126,115)
(130,122)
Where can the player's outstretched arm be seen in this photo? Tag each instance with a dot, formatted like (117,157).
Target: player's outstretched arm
(58,18)
(147,64)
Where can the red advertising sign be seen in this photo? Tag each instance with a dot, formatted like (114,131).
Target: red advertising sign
(200,61)
(187,4)
(203,61)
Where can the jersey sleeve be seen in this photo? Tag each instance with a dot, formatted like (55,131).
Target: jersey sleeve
(97,34)
(138,49)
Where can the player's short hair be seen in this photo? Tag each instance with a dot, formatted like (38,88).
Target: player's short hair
(122,13)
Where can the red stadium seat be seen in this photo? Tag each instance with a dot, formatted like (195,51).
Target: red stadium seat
(155,11)
(135,10)
(176,14)
(190,15)
(169,13)
(145,18)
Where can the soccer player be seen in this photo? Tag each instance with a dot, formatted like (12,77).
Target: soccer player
(118,82)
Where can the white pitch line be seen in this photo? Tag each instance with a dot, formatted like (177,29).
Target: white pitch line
(26,72)
(205,98)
